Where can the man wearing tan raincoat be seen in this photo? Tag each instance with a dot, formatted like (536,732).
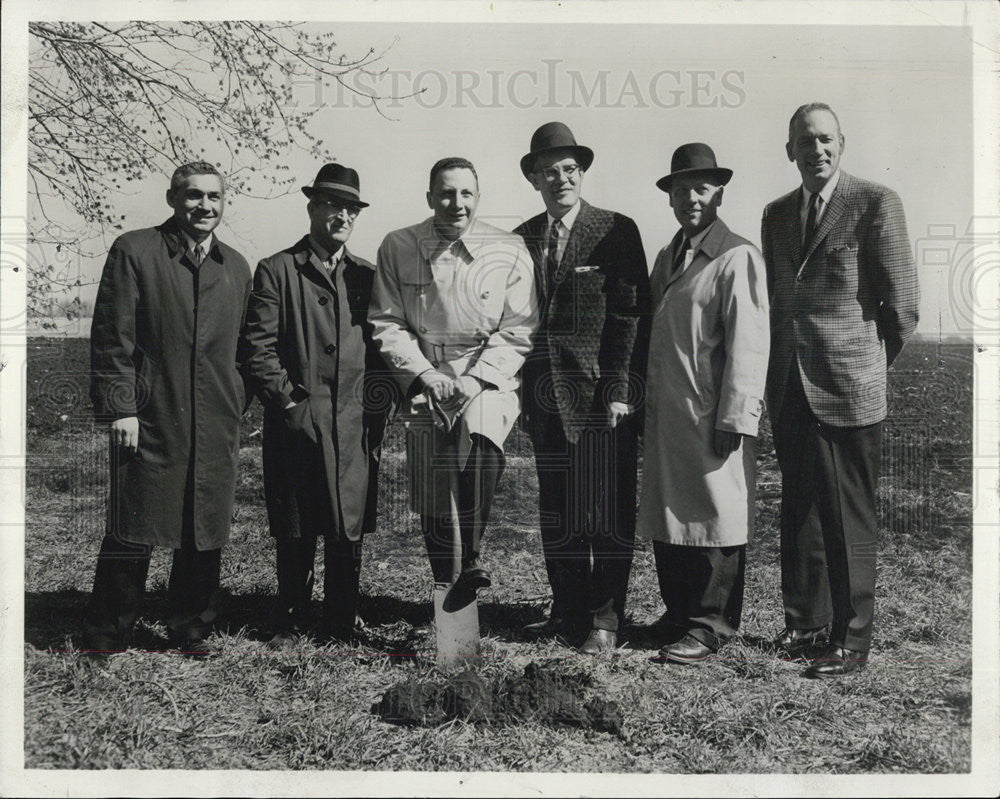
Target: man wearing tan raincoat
(705,385)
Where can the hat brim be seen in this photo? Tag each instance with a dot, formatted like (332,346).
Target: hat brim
(583,154)
(310,192)
(722,174)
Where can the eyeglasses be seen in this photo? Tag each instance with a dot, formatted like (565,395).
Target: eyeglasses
(336,208)
(553,173)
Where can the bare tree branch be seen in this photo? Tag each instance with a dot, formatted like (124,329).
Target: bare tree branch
(115,102)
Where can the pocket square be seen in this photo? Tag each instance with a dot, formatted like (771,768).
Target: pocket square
(581,269)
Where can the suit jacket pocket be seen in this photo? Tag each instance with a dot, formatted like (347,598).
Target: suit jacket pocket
(840,275)
(588,278)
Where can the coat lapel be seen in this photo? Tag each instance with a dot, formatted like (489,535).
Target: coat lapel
(711,247)
(793,227)
(358,281)
(830,218)
(659,282)
(177,244)
(310,265)
(571,254)
(302,254)
(672,276)
(591,225)
(534,231)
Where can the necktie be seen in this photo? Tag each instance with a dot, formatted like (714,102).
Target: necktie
(197,254)
(552,260)
(810,222)
(681,254)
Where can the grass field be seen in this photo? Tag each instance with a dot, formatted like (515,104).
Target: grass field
(747,711)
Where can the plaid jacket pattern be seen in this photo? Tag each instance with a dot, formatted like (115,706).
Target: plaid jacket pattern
(844,308)
(590,346)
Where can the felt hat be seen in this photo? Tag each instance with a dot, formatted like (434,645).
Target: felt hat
(338,181)
(690,159)
(555,136)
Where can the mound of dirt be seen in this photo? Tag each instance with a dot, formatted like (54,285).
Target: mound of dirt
(413,702)
(541,694)
(468,696)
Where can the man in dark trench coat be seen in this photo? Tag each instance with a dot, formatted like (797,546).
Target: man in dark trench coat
(165,377)
(325,397)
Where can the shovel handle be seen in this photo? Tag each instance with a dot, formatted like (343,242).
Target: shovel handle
(456,529)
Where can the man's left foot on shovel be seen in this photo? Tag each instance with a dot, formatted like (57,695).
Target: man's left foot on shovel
(463,592)
(473,578)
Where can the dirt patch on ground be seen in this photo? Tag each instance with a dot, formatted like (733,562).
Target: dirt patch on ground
(541,694)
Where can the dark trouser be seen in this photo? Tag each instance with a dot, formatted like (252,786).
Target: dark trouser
(587,509)
(477,484)
(828,520)
(120,581)
(702,588)
(342,572)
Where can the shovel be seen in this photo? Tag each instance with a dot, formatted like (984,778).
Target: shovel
(456,614)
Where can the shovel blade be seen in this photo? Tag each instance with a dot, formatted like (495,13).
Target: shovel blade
(457,628)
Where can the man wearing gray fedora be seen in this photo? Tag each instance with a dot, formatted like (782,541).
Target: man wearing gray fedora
(582,384)
(319,377)
(704,394)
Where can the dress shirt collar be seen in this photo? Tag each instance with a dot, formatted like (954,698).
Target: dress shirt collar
(825,193)
(465,246)
(323,254)
(568,219)
(698,238)
(695,242)
(205,245)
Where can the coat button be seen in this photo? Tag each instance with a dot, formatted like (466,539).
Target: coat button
(423,329)
(323,300)
(329,349)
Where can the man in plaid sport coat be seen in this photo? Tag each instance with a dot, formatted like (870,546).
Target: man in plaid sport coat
(844,300)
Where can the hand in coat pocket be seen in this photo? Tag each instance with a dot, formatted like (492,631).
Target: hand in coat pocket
(297,416)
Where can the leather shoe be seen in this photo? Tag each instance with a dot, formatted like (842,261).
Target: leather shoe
(794,641)
(599,641)
(688,650)
(473,578)
(836,662)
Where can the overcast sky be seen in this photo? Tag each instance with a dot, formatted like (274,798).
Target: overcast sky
(634,93)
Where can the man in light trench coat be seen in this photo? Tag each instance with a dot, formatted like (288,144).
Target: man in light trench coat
(453,310)
(165,377)
(325,394)
(706,371)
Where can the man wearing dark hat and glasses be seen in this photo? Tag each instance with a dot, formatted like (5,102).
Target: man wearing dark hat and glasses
(705,389)
(582,383)
(314,367)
